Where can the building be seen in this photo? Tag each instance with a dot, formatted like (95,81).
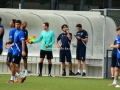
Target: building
(61,4)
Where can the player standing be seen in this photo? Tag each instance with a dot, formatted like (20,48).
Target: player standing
(23,27)
(18,51)
(48,38)
(1,36)
(65,52)
(82,39)
(117,67)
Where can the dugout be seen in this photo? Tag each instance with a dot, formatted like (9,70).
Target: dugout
(101,31)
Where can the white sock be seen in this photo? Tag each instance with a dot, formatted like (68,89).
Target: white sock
(12,78)
(84,71)
(21,75)
(115,82)
(79,71)
(15,77)
(26,71)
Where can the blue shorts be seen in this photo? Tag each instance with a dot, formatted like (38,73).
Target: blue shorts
(65,54)
(9,57)
(114,59)
(16,59)
(1,51)
(81,53)
(118,63)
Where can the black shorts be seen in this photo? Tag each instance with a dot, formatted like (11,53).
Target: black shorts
(1,51)
(81,53)
(26,56)
(65,54)
(9,57)
(114,59)
(46,53)
(16,59)
(118,63)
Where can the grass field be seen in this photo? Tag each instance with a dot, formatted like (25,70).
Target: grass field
(56,83)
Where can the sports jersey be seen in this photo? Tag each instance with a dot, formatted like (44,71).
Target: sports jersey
(18,38)
(11,36)
(48,38)
(1,37)
(82,34)
(65,42)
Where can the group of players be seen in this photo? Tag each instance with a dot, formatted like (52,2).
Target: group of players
(17,48)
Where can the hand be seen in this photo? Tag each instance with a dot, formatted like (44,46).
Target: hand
(30,42)
(7,47)
(67,31)
(77,37)
(46,46)
(23,53)
(59,46)
(111,45)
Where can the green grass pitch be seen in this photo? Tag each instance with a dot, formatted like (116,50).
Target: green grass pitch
(56,83)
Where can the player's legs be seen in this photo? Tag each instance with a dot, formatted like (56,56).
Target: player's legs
(16,60)
(116,73)
(9,59)
(25,62)
(42,56)
(113,63)
(62,60)
(49,57)
(68,57)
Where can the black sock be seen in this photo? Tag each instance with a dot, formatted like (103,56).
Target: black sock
(40,67)
(64,70)
(49,68)
(70,71)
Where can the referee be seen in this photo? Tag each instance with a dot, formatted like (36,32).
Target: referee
(82,39)
(48,39)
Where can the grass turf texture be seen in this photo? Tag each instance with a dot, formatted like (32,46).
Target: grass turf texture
(56,83)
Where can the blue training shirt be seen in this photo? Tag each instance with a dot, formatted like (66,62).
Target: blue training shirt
(1,37)
(18,38)
(65,42)
(114,52)
(83,34)
(118,50)
(11,36)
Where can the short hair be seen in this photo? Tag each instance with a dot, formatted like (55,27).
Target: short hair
(18,21)
(46,24)
(118,28)
(0,19)
(64,25)
(79,25)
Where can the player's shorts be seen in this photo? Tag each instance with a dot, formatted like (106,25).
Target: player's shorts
(1,51)
(81,53)
(114,59)
(65,54)
(9,57)
(26,56)
(118,63)
(16,59)
(49,54)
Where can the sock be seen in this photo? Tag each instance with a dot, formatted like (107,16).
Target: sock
(64,70)
(12,78)
(115,82)
(49,68)
(26,71)
(40,67)
(15,77)
(84,71)
(79,71)
(70,71)
(112,76)
(21,75)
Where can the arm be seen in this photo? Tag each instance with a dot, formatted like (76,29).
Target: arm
(57,44)
(11,38)
(84,40)
(53,40)
(115,46)
(39,39)
(23,46)
(1,31)
(69,36)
